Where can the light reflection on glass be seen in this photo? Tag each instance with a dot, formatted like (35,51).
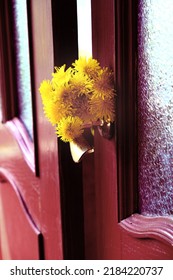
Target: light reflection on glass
(155,106)
(23,64)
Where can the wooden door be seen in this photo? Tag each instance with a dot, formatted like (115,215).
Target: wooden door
(30,217)
(115,228)
(102,211)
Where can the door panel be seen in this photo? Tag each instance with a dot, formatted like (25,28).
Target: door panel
(17,230)
(19,132)
(148,248)
(17,178)
(32,167)
(100,190)
(120,231)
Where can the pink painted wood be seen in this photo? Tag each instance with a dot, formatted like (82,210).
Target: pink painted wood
(19,132)
(111,193)
(17,228)
(39,193)
(158,227)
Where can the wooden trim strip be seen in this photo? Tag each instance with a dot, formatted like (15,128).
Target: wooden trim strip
(7,62)
(126,67)
(26,145)
(157,227)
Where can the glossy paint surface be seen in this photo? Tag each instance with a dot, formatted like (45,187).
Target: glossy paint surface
(108,191)
(39,189)
(102,212)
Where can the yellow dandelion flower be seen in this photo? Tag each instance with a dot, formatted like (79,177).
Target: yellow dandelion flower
(61,76)
(63,94)
(78,96)
(81,109)
(54,111)
(103,108)
(69,128)
(89,67)
(80,84)
(45,90)
(103,84)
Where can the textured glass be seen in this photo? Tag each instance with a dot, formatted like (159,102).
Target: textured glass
(23,64)
(155,107)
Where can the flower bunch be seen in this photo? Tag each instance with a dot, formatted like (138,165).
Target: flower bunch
(78,97)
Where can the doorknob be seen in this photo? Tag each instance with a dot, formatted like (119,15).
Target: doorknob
(80,149)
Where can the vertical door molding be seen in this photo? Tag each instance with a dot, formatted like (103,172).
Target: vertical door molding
(126,83)
(105,157)
(42,65)
(8,84)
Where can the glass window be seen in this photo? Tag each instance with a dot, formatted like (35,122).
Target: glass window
(23,64)
(155,107)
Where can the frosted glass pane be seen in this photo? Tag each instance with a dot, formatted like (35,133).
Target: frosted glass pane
(23,64)
(155,107)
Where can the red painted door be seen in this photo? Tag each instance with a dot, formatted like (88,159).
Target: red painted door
(115,227)
(30,218)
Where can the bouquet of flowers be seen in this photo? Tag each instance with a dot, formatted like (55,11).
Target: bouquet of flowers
(78,97)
